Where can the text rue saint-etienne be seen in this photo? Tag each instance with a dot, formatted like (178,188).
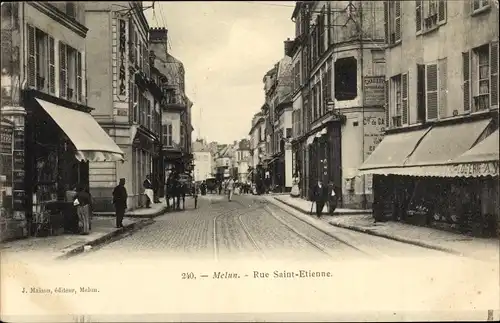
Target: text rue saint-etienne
(274,274)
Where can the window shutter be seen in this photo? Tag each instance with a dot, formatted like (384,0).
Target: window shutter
(131,43)
(31,57)
(494,74)
(386,22)
(386,105)
(78,76)
(443,87)
(329,84)
(63,72)
(466,80)
(432,91)
(329,24)
(325,93)
(442,10)
(404,97)
(418,15)
(397,18)
(52,65)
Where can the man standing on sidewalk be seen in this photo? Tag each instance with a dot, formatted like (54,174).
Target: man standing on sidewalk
(320,196)
(120,202)
(230,188)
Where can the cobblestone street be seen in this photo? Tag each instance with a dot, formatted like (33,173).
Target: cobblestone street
(249,227)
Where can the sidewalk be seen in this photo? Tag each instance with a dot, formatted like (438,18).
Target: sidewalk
(65,245)
(458,244)
(305,206)
(156,209)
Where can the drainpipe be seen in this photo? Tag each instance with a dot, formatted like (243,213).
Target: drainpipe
(360,32)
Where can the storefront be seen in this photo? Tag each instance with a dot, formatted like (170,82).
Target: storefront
(444,176)
(53,144)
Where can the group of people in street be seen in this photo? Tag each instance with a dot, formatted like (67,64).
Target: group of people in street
(321,195)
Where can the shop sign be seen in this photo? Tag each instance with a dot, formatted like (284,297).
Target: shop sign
(18,200)
(476,169)
(19,139)
(18,176)
(374,127)
(374,90)
(6,141)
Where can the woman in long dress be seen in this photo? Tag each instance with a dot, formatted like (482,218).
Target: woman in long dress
(83,210)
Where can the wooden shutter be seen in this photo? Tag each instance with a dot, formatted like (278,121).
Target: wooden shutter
(386,105)
(442,10)
(78,74)
(324,91)
(432,91)
(329,84)
(397,21)
(63,70)
(386,22)
(466,80)
(443,87)
(494,74)
(31,57)
(52,65)
(404,98)
(329,22)
(418,14)
(421,106)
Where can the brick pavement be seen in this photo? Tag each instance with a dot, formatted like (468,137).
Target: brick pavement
(479,248)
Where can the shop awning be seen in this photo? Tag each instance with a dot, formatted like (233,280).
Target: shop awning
(392,152)
(318,134)
(445,143)
(481,160)
(91,141)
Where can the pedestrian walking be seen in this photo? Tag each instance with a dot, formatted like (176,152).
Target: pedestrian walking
(196,191)
(148,191)
(120,202)
(320,197)
(332,198)
(230,188)
(82,202)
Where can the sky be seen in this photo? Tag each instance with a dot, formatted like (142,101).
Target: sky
(226,48)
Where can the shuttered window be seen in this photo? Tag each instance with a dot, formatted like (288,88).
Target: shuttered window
(432,91)
(79,81)
(466,80)
(329,22)
(386,105)
(321,27)
(418,15)
(494,74)
(31,57)
(63,70)
(52,66)
(397,21)
(386,22)
(442,11)
(443,87)
(404,98)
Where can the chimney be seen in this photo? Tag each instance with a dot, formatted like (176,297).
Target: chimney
(288,46)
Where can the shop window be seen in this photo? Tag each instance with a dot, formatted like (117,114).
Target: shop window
(346,79)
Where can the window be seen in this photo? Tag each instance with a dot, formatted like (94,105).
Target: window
(396,100)
(480,77)
(167,135)
(392,22)
(321,33)
(182,130)
(288,132)
(431,94)
(71,9)
(149,125)
(404,99)
(41,60)
(429,14)
(346,79)
(70,73)
(479,5)
(421,93)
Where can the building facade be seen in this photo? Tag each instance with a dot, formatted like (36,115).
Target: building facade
(121,89)
(442,103)
(242,155)
(202,158)
(176,107)
(338,106)
(46,114)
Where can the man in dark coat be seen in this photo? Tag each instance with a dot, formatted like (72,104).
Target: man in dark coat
(332,198)
(320,197)
(120,202)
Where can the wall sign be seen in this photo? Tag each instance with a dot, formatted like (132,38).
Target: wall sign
(374,90)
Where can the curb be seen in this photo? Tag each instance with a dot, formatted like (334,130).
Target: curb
(306,212)
(395,238)
(161,211)
(102,240)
